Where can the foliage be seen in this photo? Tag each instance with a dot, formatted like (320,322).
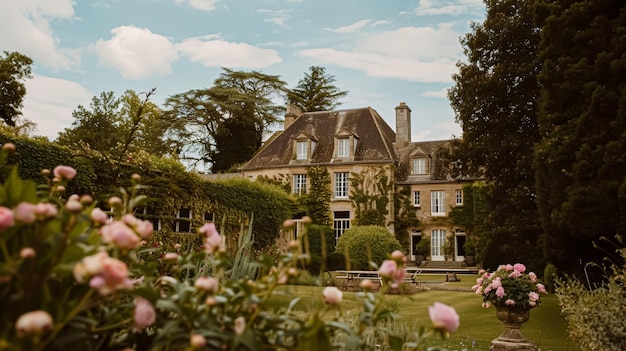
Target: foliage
(223,125)
(596,318)
(317,199)
(336,261)
(472,217)
(369,192)
(422,247)
(405,216)
(500,130)
(316,91)
(550,277)
(321,239)
(364,244)
(14,67)
(448,248)
(509,286)
(69,280)
(580,161)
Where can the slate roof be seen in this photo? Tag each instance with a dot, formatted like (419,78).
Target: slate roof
(375,139)
(428,149)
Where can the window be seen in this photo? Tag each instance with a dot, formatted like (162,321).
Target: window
(208,216)
(437,242)
(341,185)
(341,223)
(417,199)
(437,203)
(459,197)
(419,166)
(299,184)
(301,150)
(343,147)
(183,221)
(148,213)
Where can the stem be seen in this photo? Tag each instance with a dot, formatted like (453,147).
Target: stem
(112,326)
(5,253)
(68,318)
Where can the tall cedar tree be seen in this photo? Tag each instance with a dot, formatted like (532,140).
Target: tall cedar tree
(14,68)
(224,124)
(581,160)
(495,100)
(316,92)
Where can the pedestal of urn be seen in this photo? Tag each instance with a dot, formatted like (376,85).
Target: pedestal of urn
(512,338)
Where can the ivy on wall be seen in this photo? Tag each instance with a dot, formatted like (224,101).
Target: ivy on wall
(405,216)
(317,200)
(369,192)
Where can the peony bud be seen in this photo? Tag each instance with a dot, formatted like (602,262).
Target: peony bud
(73,205)
(197,341)
(10,147)
(27,252)
(65,172)
(6,218)
(25,213)
(443,317)
(34,322)
(144,314)
(332,295)
(207,284)
(99,216)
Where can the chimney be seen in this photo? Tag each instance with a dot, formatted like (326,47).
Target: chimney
(403,125)
(292,113)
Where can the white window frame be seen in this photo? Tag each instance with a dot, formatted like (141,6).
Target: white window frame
(343,147)
(419,166)
(340,225)
(186,219)
(299,184)
(417,198)
(301,150)
(458,197)
(438,203)
(437,242)
(342,185)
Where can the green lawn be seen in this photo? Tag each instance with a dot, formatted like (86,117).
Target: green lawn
(546,327)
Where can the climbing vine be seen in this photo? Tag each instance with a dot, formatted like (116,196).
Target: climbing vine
(370,191)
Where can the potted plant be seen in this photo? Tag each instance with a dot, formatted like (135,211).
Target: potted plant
(470,252)
(448,249)
(421,250)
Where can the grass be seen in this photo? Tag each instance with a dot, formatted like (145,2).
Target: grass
(546,327)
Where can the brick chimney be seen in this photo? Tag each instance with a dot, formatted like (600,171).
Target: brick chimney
(292,113)
(403,124)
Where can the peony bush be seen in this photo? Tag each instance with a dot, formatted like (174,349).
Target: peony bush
(75,277)
(509,286)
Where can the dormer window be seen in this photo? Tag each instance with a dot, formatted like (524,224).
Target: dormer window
(419,166)
(301,150)
(343,147)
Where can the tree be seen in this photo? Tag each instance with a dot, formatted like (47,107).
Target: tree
(14,68)
(495,100)
(581,160)
(224,124)
(316,92)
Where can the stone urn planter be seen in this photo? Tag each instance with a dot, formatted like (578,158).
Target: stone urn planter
(512,338)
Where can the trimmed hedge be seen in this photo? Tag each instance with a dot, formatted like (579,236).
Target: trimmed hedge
(362,244)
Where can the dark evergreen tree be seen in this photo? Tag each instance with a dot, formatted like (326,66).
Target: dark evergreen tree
(581,160)
(495,99)
(14,68)
(316,91)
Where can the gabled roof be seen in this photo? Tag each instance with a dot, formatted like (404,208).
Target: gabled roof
(375,138)
(420,149)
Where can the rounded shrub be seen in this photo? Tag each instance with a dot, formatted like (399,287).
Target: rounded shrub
(362,244)
(315,234)
(335,261)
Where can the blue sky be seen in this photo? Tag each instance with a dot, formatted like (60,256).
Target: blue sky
(382,52)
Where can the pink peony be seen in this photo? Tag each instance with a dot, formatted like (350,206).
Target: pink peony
(213,239)
(27,252)
(119,235)
(197,341)
(443,317)
(45,210)
(25,213)
(366,284)
(170,257)
(541,288)
(65,172)
(107,274)
(515,274)
(519,267)
(73,205)
(34,322)
(332,295)
(532,276)
(509,302)
(398,256)
(388,269)
(508,267)
(99,216)
(145,229)
(500,292)
(533,296)
(144,314)
(6,218)
(207,284)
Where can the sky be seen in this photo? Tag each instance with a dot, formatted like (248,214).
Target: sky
(382,52)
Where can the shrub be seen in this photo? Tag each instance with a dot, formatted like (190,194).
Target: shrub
(335,261)
(549,277)
(423,247)
(363,244)
(315,234)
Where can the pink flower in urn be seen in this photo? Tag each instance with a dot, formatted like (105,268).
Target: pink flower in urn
(533,296)
(144,314)
(6,218)
(35,322)
(443,317)
(515,274)
(65,172)
(119,235)
(509,302)
(532,276)
(519,267)
(207,284)
(332,295)
(99,216)
(541,288)
(508,267)
(25,213)
(500,292)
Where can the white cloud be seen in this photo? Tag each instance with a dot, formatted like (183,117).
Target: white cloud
(278,17)
(136,52)
(443,93)
(217,53)
(445,130)
(446,7)
(350,28)
(379,23)
(26,28)
(420,54)
(204,5)
(49,102)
